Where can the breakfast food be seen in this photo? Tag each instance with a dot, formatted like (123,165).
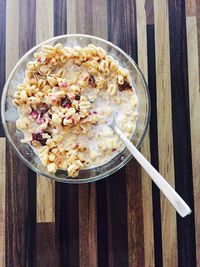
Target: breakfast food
(65,102)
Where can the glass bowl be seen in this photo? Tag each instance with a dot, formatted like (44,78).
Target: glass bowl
(10,114)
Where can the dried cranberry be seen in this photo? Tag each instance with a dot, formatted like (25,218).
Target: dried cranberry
(77,97)
(40,120)
(39,59)
(124,86)
(34,114)
(65,101)
(91,81)
(64,84)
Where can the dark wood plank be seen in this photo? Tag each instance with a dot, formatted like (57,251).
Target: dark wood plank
(2,199)
(3,50)
(102,227)
(87,225)
(20,213)
(135,215)
(125,18)
(27,25)
(46,245)
(67,216)
(67,224)
(117,220)
(122,32)
(122,25)
(181,129)
(60,17)
(133,170)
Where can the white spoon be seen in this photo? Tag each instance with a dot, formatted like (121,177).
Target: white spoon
(179,204)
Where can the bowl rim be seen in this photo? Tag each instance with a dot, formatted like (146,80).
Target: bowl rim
(74,180)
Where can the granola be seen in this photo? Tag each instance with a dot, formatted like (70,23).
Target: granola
(65,102)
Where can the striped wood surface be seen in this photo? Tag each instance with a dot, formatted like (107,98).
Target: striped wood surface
(123,220)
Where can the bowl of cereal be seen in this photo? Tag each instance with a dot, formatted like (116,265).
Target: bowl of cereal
(57,103)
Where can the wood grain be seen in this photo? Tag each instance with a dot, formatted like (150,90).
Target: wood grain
(60,17)
(45,200)
(45,187)
(120,189)
(134,203)
(165,135)
(99,18)
(133,170)
(67,211)
(181,129)
(87,226)
(117,220)
(102,227)
(153,133)
(20,206)
(67,224)
(3,50)
(12,34)
(190,7)
(145,148)
(122,220)
(194,100)
(46,254)
(2,199)
(44,20)
(87,193)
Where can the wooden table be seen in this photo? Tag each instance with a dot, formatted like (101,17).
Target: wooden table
(122,220)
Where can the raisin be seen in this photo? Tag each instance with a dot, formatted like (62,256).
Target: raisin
(65,101)
(43,108)
(91,81)
(77,97)
(38,137)
(124,86)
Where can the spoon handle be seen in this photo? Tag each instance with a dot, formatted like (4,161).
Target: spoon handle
(179,204)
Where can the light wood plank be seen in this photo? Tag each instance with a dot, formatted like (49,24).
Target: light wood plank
(45,199)
(71,15)
(2,199)
(194,100)
(165,135)
(12,34)
(76,14)
(99,16)
(12,52)
(45,187)
(44,20)
(145,149)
